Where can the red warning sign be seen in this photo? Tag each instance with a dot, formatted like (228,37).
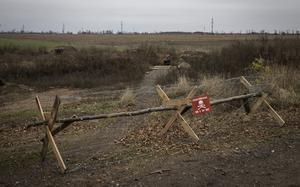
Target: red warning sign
(201,105)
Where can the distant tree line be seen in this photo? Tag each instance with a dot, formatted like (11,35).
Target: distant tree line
(111,32)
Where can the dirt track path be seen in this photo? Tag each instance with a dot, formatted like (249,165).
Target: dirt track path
(77,148)
(94,144)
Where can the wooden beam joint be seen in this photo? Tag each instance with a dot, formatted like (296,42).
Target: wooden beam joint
(181,104)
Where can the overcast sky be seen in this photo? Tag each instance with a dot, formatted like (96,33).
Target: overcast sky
(150,15)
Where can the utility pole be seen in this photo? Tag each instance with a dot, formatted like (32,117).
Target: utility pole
(212,25)
(63,28)
(23,29)
(121,27)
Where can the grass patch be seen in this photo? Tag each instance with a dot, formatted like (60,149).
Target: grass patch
(29,43)
(10,160)
(88,108)
(12,118)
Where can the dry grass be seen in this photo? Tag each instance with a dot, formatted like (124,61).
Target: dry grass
(182,85)
(219,87)
(282,83)
(212,85)
(128,97)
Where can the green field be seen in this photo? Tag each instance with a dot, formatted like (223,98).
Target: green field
(35,43)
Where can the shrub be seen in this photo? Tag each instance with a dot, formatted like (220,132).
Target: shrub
(87,67)
(235,59)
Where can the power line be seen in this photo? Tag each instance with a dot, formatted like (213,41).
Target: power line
(63,28)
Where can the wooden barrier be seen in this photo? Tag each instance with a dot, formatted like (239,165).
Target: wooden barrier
(48,135)
(260,101)
(180,106)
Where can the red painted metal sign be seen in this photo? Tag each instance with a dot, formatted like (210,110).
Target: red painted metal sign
(201,105)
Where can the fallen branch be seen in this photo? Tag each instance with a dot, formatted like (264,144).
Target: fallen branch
(143,111)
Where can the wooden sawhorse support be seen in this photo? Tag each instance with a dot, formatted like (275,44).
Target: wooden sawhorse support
(261,100)
(181,109)
(48,135)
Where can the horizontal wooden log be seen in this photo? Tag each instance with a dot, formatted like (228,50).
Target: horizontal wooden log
(143,111)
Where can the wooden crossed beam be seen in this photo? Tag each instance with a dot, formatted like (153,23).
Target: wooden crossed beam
(260,101)
(178,102)
(48,135)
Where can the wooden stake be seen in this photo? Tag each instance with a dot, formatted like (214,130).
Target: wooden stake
(275,114)
(161,93)
(50,138)
(187,128)
(245,82)
(257,104)
(261,100)
(246,105)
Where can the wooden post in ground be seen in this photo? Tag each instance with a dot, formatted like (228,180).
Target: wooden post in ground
(181,104)
(48,135)
(260,101)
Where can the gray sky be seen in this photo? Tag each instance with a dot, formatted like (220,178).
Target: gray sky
(150,16)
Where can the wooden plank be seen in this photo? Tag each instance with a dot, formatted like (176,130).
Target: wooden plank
(275,114)
(47,115)
(55,150)
(54,112)
(192,92)
(245,82)
(45,142)
(169,124)
(40,107)
(60,128)
(161,93)
(51,123)
(246,105)
(258,103)
(187,128)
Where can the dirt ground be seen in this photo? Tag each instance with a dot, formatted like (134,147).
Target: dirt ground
(234,149)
